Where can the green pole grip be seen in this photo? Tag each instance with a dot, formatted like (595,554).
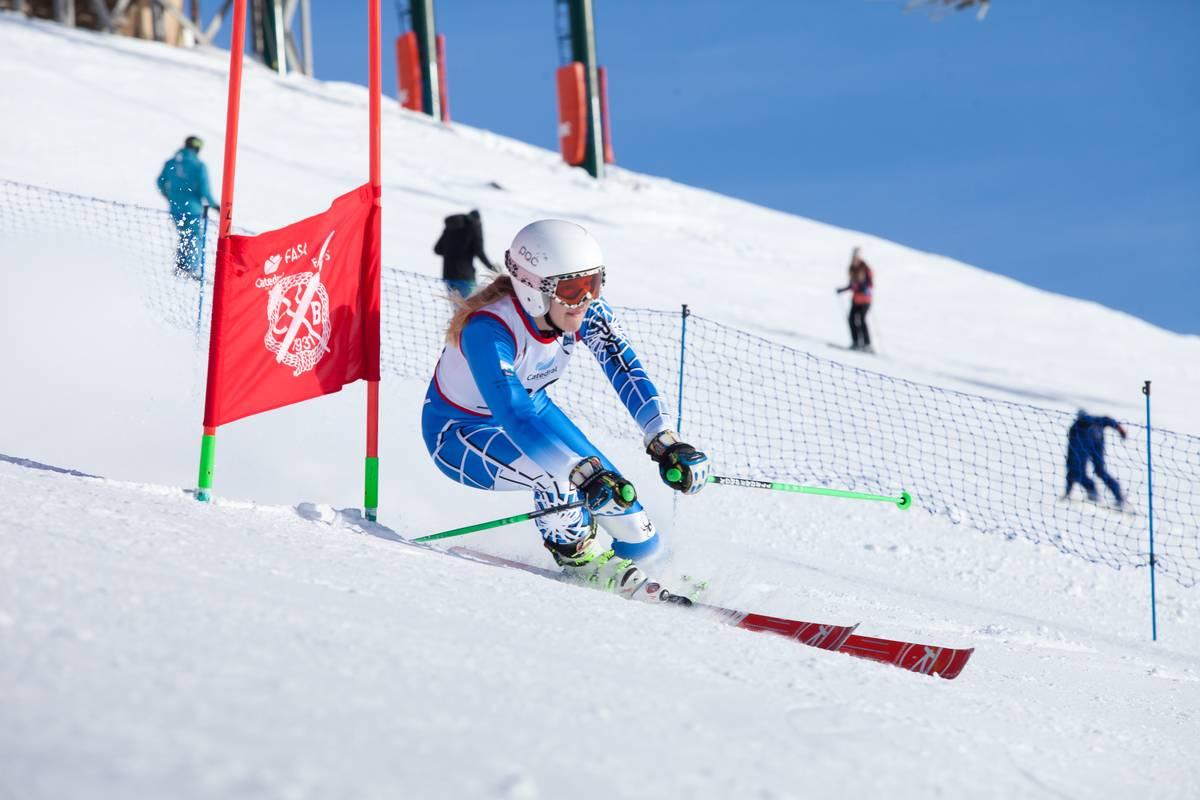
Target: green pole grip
(208,452)
(371,489)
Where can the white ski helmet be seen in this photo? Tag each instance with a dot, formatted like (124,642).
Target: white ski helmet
(545,251)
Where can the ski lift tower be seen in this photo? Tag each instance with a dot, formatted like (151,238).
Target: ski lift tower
(421,60)
(577,47)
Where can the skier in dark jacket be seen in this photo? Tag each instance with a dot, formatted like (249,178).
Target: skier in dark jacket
(460,244)
(861,284)
(1085,442)
(184,182)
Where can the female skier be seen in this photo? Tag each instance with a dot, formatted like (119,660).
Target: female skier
(861,284)
(489,423)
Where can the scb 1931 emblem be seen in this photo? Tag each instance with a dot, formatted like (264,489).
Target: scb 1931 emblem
(298,327)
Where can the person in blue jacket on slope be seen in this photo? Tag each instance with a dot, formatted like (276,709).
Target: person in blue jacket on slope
(1085,442)
(184,182)
(489,423)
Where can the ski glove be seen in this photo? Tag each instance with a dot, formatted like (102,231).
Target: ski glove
(606,492)
(681,466)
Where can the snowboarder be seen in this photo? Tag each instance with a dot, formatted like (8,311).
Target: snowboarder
(1085,442)
(184,182)
(489,423)
(861,284)
(459,245)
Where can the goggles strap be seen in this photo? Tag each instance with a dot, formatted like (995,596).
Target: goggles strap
(546,286)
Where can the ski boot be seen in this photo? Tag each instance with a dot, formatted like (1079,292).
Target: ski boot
(584,562)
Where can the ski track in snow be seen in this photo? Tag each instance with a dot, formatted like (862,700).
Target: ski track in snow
(151,646)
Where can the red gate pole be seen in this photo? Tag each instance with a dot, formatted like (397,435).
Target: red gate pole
(208,441)
(375,83)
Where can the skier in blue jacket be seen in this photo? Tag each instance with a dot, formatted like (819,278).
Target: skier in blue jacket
(1085,442)
(489,423)
(184,182)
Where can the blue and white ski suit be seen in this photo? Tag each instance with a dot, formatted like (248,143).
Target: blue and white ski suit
(489,423)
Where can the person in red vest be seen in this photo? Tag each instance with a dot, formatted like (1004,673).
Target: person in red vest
(861,284)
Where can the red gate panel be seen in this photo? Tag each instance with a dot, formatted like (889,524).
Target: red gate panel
(572,113)
(408,72)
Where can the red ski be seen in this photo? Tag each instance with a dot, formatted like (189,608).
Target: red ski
(945,662)
(813,634)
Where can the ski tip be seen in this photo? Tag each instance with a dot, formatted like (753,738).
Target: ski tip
(954,667)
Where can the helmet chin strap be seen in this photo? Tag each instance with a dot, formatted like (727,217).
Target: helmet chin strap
(557,331)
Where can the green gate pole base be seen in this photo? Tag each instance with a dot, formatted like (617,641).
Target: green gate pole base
(208,450)
(371,489)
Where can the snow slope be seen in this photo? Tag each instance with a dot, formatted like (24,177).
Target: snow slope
(153,646)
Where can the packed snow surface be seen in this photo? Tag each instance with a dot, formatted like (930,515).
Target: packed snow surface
(273,644)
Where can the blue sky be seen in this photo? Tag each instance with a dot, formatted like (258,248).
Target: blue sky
(1056,142)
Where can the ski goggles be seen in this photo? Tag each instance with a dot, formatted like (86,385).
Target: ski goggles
(572,290)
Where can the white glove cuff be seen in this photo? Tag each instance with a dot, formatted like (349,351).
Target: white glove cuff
(657,443)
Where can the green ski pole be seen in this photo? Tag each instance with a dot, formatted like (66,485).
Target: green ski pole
(904,501)
(496,523)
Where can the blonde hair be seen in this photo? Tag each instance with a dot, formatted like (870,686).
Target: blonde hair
(465,307)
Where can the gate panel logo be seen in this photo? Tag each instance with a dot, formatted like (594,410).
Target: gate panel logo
(298,329)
